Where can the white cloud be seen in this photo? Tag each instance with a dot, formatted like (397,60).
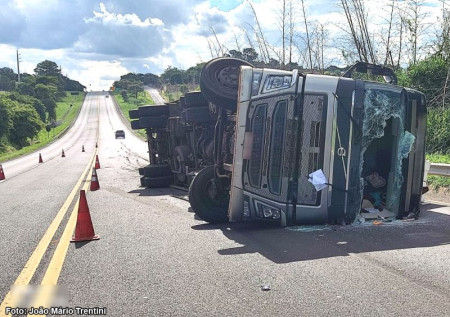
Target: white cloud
(94,41)
(106,17)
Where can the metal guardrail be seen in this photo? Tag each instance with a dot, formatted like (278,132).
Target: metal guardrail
(439,169)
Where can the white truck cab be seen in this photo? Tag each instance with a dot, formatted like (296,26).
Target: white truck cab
(290,125)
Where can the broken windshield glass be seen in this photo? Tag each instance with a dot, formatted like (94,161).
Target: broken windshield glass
(385,144)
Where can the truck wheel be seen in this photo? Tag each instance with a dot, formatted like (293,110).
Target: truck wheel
(158,182)
(197,115)
(206,202)
(157,170)
(158,122)
(219,81)
(159,110)
(134,114)
(194,99)
(135,125)
(142,181)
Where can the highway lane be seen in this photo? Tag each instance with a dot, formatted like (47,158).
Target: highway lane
(155,258)
(73,137)
(155,95)
(33,193)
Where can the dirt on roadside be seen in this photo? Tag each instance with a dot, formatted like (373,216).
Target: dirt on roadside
(441,195)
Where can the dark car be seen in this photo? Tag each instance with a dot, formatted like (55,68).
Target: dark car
(120,134)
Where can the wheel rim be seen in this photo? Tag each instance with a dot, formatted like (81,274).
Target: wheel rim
(228,76)
(216,198)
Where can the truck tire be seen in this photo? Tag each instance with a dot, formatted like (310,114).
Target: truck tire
(157,170)
(148,111)
(181,102)
(219,81)
(135,125)
(134,114)
(197,115)
(142,181)
(158,122)
(158,182)
(194,99)
(141,171)
(205,202)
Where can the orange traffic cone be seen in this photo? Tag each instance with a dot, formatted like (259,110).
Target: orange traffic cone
(82,148)
(62,154)
(94,180)
(97,163)
(84,231)
(2,174)
(40,158)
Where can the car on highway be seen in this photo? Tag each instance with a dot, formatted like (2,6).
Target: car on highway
(120,134)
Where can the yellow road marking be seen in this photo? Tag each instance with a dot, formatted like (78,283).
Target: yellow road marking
(46,292)
(35,259)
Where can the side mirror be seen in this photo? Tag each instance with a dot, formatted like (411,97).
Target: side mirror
(367,68)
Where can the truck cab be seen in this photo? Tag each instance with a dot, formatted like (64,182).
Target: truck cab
(312,149)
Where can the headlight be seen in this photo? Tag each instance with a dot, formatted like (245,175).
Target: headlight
(267,212)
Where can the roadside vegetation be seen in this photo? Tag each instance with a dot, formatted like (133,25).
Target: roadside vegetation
(37,109)
(128,102)
(66,112)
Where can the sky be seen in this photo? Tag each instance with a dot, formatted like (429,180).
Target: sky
(95,42)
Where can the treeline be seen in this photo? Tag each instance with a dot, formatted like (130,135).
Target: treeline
(29,105)
(174,78)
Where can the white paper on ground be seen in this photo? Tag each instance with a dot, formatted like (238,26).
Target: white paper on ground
(318,179)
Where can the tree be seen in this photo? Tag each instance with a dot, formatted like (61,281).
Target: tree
(26,89)
(7,79)
(357,20)
(5,120)
(135,87)
(47,68)
(25,99)
(442,43)
(430,77)
(173,75)
(50,106)
(249,54)
(42,91)
(72,85)
(26,124)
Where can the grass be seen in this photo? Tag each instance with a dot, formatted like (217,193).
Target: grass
(436,182)
(133,103)
(64,113)
(172,96)
(438,158)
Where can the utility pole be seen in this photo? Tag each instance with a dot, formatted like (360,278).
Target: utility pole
(18,68)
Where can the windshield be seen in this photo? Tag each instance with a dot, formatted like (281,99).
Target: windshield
(385,143)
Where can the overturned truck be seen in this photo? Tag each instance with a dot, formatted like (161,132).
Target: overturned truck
(285,147)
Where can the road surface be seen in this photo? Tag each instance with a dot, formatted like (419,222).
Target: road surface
(154,93)
(155,258)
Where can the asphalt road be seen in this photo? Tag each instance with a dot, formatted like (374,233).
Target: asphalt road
(155,95)
(154,258)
